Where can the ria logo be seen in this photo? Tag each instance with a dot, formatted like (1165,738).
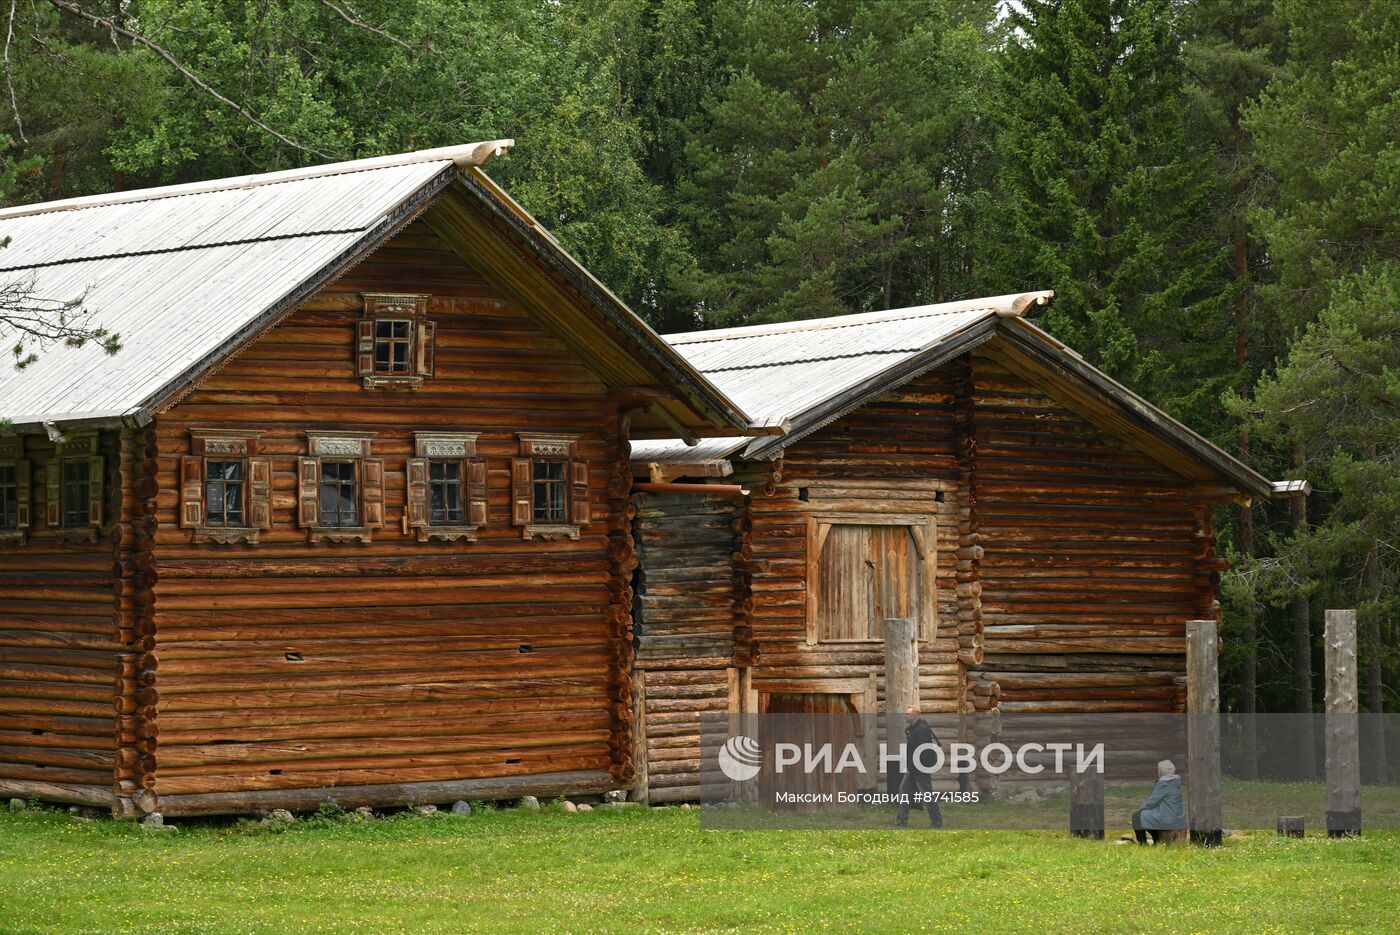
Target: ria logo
(740,758)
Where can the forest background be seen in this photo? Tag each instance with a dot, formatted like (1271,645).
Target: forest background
(1211,187)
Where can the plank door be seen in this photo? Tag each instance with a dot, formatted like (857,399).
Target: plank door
(865,573)
(810,718)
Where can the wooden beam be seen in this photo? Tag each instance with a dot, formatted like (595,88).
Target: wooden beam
(1203,731)
(1343,735)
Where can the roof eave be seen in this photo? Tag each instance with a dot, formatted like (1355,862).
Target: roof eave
(842,404)
(1032,340)
(707,400)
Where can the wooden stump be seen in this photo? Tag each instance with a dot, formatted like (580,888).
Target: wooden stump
(1177,836)
(1290,826)
(1086,805)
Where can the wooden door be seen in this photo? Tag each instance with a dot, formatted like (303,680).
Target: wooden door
(863,574)
(813,718)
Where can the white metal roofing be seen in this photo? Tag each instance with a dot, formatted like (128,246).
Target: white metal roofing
(179,271)
(776,372)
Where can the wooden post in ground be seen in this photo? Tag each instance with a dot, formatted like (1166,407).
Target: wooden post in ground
(1203,731)
(641,786)
(1086,804)
(1342,728)
(901,684)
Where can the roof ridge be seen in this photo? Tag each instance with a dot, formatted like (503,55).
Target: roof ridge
(1004,305)
(467,154)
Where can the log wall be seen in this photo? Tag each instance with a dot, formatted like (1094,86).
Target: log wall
(1067,565)
(66,645)
(289,666)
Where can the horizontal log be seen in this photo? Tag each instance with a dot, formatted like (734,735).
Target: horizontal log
(542,785)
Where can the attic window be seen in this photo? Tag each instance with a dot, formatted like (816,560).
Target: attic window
(395,342)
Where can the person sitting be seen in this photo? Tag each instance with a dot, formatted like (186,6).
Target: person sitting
(1164,810)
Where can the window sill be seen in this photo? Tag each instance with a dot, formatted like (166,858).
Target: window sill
(226,535)
(446,533)
(338,534)
(549,531)
(13,537)
(85,536)
(393,383)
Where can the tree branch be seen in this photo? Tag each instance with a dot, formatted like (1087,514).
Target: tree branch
(348,14)
(74,10)
(36,323)
(9,73)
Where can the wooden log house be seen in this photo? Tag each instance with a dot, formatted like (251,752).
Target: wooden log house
(348,515)
(1050,531)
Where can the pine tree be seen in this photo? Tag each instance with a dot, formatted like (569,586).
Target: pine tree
(1325,131)
(1103,200)
(837,170)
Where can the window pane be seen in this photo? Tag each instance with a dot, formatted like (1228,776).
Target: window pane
(338,494)
(75,494)
(549,492)
(9,498)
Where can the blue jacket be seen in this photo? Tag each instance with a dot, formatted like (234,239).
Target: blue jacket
(1165,810)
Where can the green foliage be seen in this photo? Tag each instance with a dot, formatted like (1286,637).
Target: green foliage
(831,167)
(1100,197)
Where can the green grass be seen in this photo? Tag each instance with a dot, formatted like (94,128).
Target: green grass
(625,870)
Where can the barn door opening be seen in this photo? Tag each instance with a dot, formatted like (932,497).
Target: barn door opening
(838,723)
(861,572)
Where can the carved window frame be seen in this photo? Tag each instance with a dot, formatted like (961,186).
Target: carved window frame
(549,446)
(352,447)
(382,307)
(76,448)
(12,456)
(458,447)
(225,445)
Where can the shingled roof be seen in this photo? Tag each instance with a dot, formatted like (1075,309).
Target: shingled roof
(187,273)
(796,377)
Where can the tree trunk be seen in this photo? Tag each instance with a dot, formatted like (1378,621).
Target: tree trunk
(1300,613)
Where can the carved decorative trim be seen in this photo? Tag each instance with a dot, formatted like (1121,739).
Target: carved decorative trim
(447,533)
(547,445)
(226,536)
(238,442)
(339,444)
(85,536)
(338,534)
(550,531)
(445,444)
(77,444)
(11,449)
(395,305)
(393,383)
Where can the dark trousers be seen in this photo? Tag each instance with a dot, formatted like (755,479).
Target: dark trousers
(914,783)
(1140,832)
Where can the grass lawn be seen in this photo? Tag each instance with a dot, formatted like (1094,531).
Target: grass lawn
(624,870)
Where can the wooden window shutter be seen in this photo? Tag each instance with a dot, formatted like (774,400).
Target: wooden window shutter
(521,501)
(191,491)
(308,491)
(416,486)
(578,490)
(427,332)
(476,492)
(22,509)
(53,495)
(364,346)
(260,493)
(96,498)
(372,486)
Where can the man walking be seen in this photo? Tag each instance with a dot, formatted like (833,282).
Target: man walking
(917,781)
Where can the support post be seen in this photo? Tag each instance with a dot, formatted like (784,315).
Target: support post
(901,683)
(1086,804)
(1203,731)
(641,791)
(1342,729)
